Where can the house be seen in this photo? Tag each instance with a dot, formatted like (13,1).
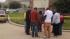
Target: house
(42,3)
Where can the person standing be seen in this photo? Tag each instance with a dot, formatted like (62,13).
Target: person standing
(27,27)
(61,23)
(47,25)
(34,22)
(40,21)
(56,23)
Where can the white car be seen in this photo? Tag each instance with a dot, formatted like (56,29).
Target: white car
(3,16)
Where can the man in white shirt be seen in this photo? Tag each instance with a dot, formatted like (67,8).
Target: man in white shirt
(56,18)
(56,23)
(48,13)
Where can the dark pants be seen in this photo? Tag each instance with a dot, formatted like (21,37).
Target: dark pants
(39,27)
(27,28)
(60,29)
(34,30)
(56,29)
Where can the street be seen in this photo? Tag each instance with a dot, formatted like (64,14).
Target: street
(9,31)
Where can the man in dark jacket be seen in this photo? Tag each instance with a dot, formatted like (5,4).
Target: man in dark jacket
(27,27)
(40,21)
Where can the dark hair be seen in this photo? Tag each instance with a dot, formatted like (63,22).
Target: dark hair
(47,8)
(28,6)
(57,11)
(35,8)
(40,12)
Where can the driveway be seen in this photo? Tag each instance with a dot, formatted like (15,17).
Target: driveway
(9,31)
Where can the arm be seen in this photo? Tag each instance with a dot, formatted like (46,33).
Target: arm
(45,13)
(54,17)
(44,16)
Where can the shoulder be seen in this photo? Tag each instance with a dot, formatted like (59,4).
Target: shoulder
(57,14)
(50,12)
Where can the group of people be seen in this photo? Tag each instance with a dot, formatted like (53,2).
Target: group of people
(52,21)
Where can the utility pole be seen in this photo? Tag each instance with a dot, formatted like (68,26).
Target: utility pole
(31,4)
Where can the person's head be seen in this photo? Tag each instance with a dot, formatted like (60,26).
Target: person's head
(28,7)
(54,11)
(40,12)
(47,8)
(35,9)
(58,11)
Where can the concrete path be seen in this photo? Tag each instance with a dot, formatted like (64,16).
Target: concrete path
(8,31)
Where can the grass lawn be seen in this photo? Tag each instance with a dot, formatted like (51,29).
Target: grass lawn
(20,19)
(67,24)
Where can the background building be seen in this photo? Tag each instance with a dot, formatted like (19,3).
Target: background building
(34,3)
(40,3)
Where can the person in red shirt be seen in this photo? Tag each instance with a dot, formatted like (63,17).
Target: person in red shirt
(61,24)
(61,19)
(34,22)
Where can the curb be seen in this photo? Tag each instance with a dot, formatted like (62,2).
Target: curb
(14,23)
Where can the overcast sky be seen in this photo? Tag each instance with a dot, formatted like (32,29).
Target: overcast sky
(2,1)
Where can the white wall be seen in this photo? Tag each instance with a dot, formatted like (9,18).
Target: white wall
(41,3)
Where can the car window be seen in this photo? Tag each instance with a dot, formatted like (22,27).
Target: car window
(2,12)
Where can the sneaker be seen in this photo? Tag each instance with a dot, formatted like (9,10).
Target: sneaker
(27,33)
(33,36)
(36,36)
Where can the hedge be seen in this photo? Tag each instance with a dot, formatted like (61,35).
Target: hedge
(66,17)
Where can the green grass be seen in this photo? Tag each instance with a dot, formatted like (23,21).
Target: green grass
(67,24)
(19,18)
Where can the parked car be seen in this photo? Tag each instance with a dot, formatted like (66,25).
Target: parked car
(3,16)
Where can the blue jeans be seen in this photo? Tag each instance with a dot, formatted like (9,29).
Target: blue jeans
(34,30)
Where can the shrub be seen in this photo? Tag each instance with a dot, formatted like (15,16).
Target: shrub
(62,5)
(66,17)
